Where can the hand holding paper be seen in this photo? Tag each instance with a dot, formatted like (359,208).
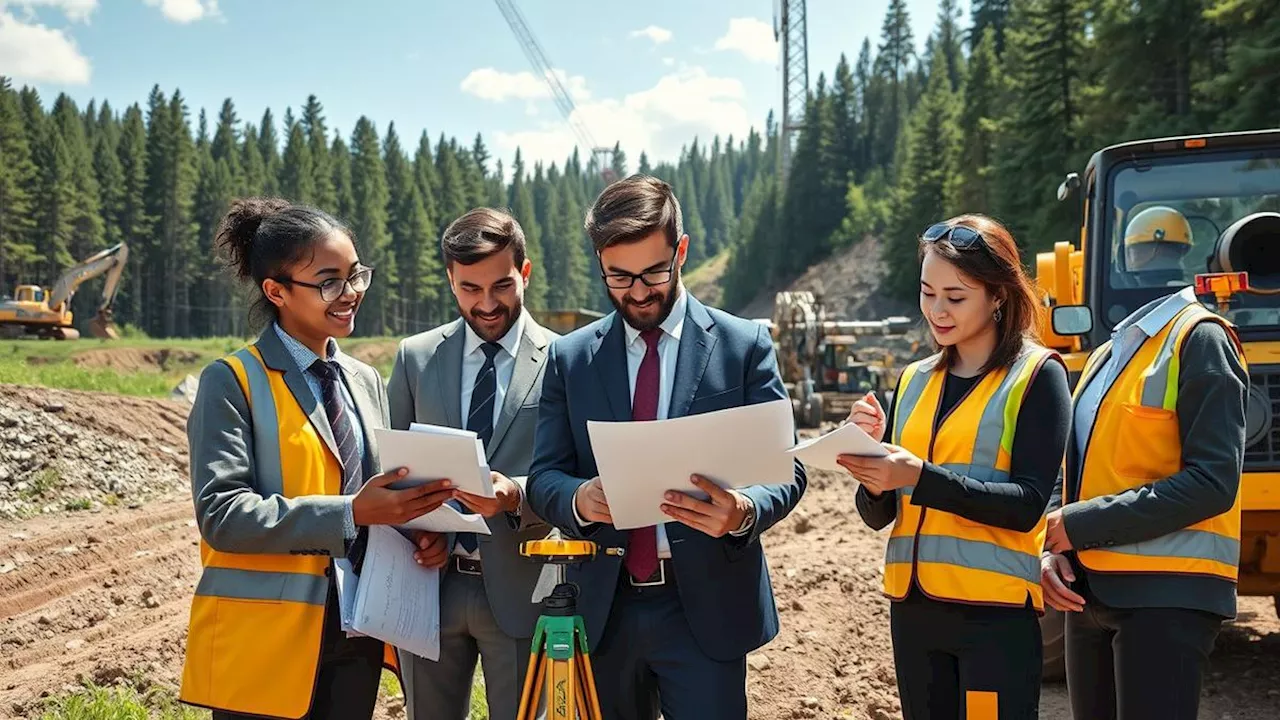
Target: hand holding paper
(823,452)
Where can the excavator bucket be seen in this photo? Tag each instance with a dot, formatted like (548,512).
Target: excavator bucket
(101,326)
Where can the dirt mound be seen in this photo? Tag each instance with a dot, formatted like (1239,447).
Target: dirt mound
(64,450)
(377,354)
(134,359)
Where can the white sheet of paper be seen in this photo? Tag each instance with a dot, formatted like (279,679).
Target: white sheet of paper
(446,519)
(737,447)
(821,452)
(398,600)
(344,576)
(430,454)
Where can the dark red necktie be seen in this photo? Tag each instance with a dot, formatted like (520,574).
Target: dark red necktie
(641,559)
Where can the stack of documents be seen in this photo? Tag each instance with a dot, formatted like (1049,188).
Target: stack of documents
(821,452)
(434,452)
(394,599)
(640,461)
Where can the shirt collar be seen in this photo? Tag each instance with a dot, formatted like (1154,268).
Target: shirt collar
(509,342)
(302,355)
(1153,316)
(673,325)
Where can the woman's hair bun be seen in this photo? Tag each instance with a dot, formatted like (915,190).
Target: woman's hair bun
(236,232)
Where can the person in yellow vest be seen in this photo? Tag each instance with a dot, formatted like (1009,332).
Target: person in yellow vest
(1143,536)
(285,479)
(978,431)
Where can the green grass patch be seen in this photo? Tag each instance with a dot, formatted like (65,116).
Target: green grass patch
(77,504)
(121,702)
(390,689)
(41,483)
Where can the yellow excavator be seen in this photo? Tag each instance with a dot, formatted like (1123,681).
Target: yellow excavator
(46,313)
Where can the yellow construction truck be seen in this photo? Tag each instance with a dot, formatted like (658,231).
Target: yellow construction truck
(1223,192)
(46,312)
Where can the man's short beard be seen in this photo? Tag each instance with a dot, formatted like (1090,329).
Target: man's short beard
(667,303)
(513,313)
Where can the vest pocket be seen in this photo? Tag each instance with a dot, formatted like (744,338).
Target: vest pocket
(1147,445)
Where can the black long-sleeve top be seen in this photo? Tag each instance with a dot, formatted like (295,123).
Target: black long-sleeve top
(1038,445)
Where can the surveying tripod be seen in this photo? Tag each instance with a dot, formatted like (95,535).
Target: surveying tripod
(559,662)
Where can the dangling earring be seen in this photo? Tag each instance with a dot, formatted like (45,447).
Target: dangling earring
(997,315)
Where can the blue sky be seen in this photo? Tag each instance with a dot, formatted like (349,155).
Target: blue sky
(649,74)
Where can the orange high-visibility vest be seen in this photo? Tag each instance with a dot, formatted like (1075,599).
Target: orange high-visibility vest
(254,639)
(1135,441)
(951,557)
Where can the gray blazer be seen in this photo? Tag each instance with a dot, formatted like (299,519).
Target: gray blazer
(233,511)
(426,387)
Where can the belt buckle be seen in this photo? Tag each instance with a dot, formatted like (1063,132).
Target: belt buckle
(662,577)
(458,565)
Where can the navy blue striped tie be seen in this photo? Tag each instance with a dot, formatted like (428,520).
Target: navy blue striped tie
(344,434)
(480,416)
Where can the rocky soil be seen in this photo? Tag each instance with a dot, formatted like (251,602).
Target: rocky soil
(103,594)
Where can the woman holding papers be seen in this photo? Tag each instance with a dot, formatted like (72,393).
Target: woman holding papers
(281,444)
(977,435)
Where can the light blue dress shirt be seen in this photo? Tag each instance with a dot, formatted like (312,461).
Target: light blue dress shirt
(1126,338)
(304,357)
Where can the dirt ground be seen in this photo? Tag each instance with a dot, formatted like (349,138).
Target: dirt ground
(103,595)
(133,359)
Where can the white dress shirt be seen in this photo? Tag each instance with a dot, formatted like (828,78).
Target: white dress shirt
(504,364)
(1126,338)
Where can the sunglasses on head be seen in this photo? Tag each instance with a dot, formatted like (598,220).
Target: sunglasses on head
(962,237)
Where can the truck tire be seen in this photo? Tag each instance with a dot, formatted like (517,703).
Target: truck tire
(1053,639)
(813,411)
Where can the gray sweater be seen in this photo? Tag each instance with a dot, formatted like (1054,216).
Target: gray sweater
(1212,391)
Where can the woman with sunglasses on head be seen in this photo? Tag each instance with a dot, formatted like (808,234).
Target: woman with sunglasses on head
(976,435)
(285,479)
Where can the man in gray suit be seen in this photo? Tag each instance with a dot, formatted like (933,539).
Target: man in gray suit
(482,372)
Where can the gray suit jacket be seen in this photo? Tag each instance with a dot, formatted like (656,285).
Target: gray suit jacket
(234,511)
(426,387)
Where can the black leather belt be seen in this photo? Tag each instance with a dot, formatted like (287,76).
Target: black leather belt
(465,565)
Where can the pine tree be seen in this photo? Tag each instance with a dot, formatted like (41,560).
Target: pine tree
(170,190)
(110,180)
(297,177)
(317,136)
(844,114)
(644,168)
(85,210)
(369,221)
(971,185)
(992,14)
(897,49)
(522,207)
(213,194)
(17,176)
(253,170)
(948,41)
(452,195)
(565,262)
(920,198)
(269,149)
(340,159)
(412,235)
(1047,56)
(1246,93)
(618,163)
(226,140)
(134,223)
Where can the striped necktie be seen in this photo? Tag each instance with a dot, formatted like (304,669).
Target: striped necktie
(480,417)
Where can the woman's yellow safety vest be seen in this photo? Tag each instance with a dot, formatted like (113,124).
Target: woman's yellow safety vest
(951,557)
(1135,441)
(254,639)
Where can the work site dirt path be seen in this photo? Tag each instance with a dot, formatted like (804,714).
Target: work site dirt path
(104,595)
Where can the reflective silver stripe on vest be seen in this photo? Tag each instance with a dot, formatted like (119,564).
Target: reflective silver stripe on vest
(267,472)
(911,395)
(978,555)
(1156,385)
(986,445)
(1191,544)
(262,585)
(899,549)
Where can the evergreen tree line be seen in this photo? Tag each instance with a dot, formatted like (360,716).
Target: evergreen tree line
(991,116)
(75,181)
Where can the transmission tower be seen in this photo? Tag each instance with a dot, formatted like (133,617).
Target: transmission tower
(790,29)
(538,59)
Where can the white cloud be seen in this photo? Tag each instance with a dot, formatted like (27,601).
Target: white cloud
(32,52)
(186,11)
(498,86)
(657,34)
(751,37)
(669,61)
(75,10)
(658,120)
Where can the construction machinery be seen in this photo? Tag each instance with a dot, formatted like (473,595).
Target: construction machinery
(820,359)
(1223,193)
(565,321)
(46,313)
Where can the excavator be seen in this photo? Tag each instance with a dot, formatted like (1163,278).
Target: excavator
(46,313)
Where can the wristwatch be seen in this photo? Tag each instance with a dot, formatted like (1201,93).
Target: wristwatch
(749,520)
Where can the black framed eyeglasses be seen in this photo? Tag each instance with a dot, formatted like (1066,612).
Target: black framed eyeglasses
(962,237)
(332,288)
(624,280)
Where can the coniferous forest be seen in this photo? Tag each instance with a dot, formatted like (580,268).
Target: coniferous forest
(1003,100)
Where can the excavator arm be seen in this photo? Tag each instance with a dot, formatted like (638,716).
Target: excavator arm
(110,261)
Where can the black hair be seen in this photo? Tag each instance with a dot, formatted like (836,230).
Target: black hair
(262,236)
(480,233)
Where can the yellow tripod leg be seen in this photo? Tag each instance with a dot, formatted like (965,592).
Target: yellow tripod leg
(587,690)
(561,690)
(532,687)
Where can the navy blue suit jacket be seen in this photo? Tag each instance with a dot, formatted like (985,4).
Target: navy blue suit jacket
(723,362)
